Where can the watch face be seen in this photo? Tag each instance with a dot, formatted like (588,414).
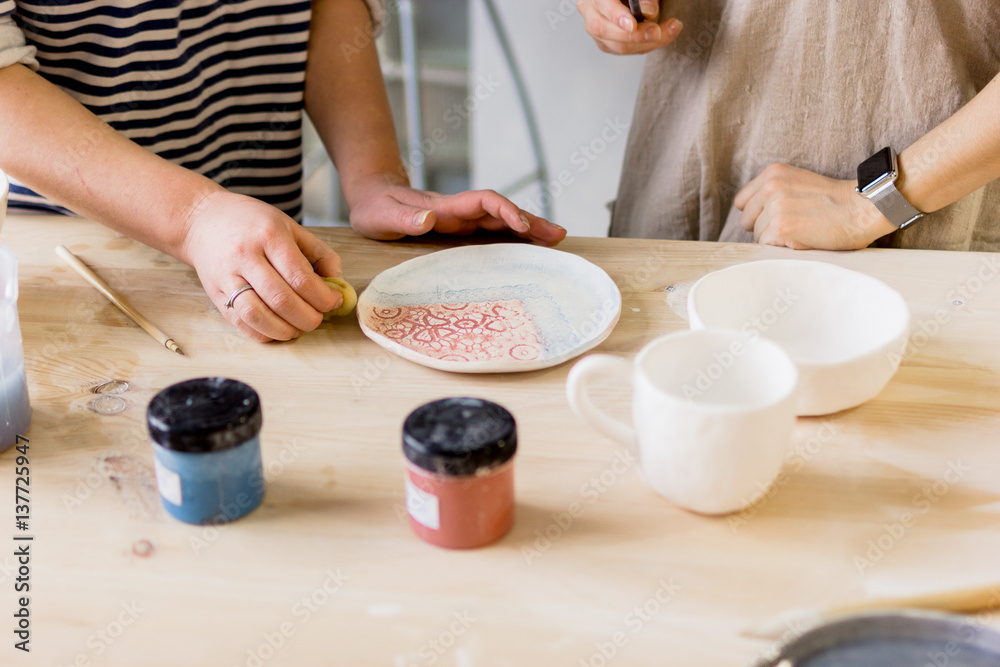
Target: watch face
(875,168)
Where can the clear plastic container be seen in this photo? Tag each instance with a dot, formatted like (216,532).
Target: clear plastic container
(15,408)
(4,189)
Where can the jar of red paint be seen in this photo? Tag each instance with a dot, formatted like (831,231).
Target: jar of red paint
(460,472)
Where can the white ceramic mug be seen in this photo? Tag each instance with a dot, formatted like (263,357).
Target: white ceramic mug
(713,413)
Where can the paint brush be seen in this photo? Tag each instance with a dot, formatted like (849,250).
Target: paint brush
(636,10)
(957,600)
(116,299)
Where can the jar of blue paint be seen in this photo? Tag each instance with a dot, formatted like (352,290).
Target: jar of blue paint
(206,439)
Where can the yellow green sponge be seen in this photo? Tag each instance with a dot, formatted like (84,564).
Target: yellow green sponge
(350,296)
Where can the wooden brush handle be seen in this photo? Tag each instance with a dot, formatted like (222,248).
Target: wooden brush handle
(77,264)
(958,600)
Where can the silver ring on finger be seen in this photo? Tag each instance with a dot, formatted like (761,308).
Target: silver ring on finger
(236,293)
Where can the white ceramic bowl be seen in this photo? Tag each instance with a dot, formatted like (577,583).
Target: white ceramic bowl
(846,331)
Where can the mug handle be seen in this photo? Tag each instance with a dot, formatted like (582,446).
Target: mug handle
(577,381)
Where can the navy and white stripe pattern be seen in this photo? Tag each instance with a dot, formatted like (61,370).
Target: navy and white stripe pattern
(215,86)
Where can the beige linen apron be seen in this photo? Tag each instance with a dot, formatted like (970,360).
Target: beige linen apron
(818,84)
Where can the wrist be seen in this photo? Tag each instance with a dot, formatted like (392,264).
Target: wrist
(194,206)
(913,183)
(360,187)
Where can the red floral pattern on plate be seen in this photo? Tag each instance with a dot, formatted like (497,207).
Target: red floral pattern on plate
(487,331)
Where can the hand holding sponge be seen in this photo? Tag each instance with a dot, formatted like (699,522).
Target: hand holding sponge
(350,297)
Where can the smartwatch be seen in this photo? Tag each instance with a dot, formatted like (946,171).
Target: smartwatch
(877,181)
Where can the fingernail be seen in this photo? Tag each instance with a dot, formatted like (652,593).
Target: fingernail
(652,34)
(648,8)
(674,27)
(419,219)
(527,224)
(626,23)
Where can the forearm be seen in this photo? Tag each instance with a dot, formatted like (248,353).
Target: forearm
(346,99)
(59,149)
(957,157)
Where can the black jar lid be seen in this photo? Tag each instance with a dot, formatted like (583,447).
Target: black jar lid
(459,436)
(204,415)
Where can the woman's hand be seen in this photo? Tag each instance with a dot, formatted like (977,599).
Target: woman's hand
(788,206)
(386,209)
(615,30)
(232,240)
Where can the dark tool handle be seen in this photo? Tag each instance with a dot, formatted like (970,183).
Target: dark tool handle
(633,6)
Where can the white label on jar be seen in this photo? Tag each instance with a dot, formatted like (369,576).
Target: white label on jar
(422,506)
(169,483)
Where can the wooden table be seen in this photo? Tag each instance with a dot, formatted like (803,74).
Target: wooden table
(327,571)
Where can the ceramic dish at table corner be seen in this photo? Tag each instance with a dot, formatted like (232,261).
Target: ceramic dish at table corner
(496,308)
(891,638)
(845,330)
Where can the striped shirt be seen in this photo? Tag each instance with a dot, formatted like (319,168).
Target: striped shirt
(215,86)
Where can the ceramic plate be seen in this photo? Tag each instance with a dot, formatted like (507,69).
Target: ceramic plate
(490,309)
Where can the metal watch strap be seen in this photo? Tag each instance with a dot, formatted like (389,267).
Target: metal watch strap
(894,206)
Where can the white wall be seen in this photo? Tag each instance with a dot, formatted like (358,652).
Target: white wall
(583,100)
